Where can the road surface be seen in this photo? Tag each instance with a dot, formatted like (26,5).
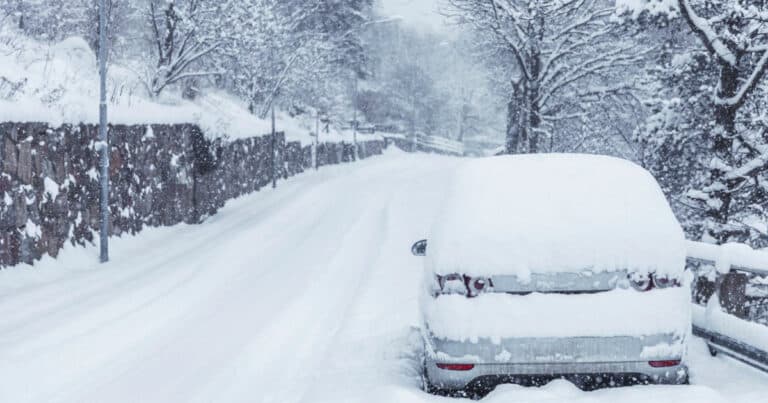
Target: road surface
(307,293)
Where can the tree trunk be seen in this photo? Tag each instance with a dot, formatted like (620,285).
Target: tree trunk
(513,121)
(534,119)
(726,114)
(533,103)
(725,131)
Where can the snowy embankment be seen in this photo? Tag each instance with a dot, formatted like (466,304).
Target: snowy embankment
(58,84)
(297,294)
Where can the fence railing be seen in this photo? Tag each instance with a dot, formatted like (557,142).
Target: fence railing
(441,144)
(730,296)
(423,143)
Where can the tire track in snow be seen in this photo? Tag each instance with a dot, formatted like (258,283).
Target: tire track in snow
(304,199)
(143,363)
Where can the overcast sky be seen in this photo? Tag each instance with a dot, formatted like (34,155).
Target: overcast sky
(420,14)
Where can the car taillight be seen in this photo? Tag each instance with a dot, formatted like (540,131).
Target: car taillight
(456,367)
(476,285)
(665,282)
(664,364)
(647,282)
(463,285)
(641,282)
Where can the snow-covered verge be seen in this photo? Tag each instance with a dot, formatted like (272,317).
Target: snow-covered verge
(57,83)
(553,213)
(278,298)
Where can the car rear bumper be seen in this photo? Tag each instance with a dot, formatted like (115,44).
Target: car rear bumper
(611,374)
(608,360)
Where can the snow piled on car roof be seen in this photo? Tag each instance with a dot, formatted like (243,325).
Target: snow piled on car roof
(546,213)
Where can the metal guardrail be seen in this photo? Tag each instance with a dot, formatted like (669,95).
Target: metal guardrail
(441,144)
(430,144)
(729,257)
(719,343)
(731,274)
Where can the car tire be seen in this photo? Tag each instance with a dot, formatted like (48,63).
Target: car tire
(428,386)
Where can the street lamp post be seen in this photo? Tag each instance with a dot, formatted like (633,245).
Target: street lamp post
(354,120)
(103,136)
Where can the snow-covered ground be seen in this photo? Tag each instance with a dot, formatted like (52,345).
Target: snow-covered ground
(307,293)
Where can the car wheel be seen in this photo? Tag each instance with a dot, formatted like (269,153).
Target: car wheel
(428,386)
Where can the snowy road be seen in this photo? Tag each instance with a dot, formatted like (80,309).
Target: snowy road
(303,294)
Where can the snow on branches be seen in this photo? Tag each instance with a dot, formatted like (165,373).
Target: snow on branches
(568,60)
(183,36)
(731,51)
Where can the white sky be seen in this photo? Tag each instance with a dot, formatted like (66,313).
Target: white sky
(419,14)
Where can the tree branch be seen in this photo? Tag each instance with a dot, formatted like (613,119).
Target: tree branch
(706,34)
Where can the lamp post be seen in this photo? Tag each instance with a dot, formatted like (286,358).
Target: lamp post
(103,135)
(354,120)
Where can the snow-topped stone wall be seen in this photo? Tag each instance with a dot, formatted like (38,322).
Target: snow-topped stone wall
(160,175)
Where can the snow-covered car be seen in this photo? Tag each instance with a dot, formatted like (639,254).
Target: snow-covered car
(554,266)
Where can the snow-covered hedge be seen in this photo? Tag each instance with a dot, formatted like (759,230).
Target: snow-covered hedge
(160,175)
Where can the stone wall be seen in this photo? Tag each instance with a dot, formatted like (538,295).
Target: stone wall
(160,175)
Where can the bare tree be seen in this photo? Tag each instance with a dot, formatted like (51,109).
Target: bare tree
(181,36)
(567,56)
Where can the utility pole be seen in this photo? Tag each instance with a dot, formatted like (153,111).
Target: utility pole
(103,136)
(274,150)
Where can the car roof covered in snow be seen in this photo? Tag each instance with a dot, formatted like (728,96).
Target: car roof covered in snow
(554,213)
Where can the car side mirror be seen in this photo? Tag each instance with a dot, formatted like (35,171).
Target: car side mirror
(419,248)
